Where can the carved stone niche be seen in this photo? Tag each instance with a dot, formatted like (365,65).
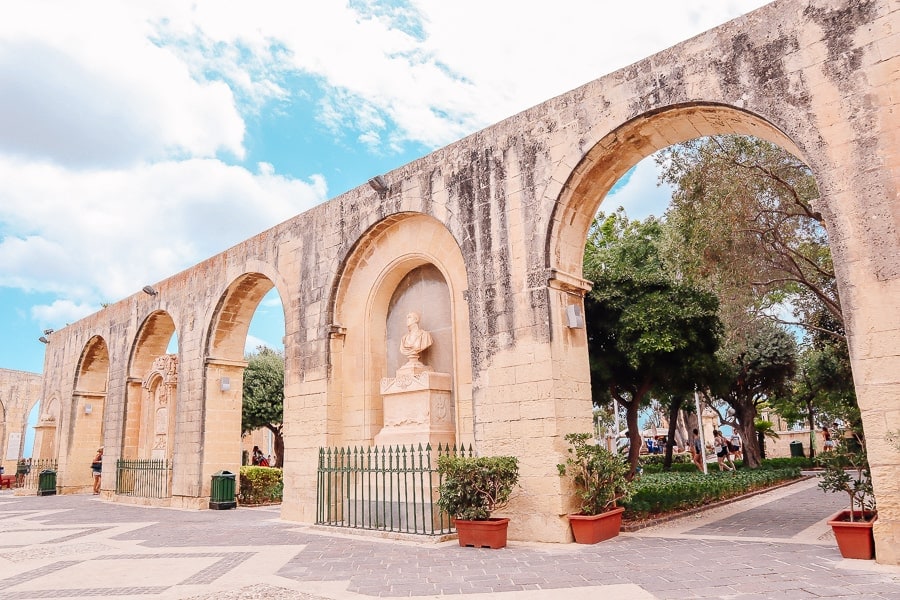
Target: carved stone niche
(418,402)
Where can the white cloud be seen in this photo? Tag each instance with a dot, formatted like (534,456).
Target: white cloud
(101,235)
(82,84)
(117,118)
(61,311)
(253,342)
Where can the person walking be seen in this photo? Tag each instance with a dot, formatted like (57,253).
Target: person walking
(97,469)
(721,448)
(734,445)
(829,443)
(697,450)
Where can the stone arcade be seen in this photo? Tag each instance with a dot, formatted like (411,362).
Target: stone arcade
(496,225)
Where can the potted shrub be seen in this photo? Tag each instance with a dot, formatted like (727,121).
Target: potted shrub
(471,489)
(600,479)
(846,470)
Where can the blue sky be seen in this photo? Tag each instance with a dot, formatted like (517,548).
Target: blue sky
(139,138)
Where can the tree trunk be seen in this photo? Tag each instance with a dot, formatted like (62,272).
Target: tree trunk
(279,445)
(812,428)
(674,408)
(635,441)
(746,417)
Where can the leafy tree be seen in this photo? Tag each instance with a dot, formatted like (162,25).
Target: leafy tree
(263,401)
(743,220)
(822,390)
(752,369)
(645,330)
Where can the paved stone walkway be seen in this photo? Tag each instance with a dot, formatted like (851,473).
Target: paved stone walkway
(82,547)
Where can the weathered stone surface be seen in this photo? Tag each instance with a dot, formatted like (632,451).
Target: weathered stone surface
(19,392)
(503,214)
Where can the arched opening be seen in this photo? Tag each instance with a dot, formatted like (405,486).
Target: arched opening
(145,463)
(87,415)
(612,156)
(406,264)
(46,437)
(248,321)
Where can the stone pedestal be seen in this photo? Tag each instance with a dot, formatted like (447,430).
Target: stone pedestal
(418,408)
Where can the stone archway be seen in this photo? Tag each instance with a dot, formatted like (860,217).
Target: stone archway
(46,433)
(502,214)
(224,366)
(379,264)
(616,151)
(86,419)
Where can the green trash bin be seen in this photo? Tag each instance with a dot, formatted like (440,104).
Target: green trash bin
(797,450)
(47,483)
(221,491)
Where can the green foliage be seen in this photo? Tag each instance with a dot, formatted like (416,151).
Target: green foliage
(846,469)
(822,390)
(472,488)
(664,492)
(646,329)
(263,402)
(654,460)
(263,396)
(600,476)
(743,220)
(684,465)
(260,485)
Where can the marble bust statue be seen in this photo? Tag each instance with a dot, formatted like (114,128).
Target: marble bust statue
(415,341)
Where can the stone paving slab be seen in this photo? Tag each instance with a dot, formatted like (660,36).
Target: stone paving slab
(83,547)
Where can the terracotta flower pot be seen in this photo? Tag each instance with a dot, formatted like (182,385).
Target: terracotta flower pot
(590,529)
(854,540)
(482,534)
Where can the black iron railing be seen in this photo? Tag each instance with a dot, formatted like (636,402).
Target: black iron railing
(145,478)
(388,488)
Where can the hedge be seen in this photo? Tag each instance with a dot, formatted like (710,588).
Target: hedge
(664,492)
(260,485)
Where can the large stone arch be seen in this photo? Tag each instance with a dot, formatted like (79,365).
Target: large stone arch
(20,391)
(609,157)
(150,344)
(224,364)
(87,416)
(361,293)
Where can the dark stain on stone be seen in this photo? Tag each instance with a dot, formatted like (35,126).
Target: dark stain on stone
(838,27)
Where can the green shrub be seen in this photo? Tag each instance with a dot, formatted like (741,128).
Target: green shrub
(676,468)
(260,485)
(472,488)
(664,492)
(652,460)
(598,474)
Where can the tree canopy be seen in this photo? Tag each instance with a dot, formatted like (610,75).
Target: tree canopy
(263,400)
(646,330)
(743,220)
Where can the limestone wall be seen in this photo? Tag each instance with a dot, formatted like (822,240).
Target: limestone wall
(504,213)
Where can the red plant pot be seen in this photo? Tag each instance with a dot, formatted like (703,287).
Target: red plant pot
(854,540)
(490,533)
(590,529)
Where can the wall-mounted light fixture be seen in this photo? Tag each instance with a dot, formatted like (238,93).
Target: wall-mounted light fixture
(224,384)
(378,184)
(43,340)
(149,290)
(88,409)
(574,317)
